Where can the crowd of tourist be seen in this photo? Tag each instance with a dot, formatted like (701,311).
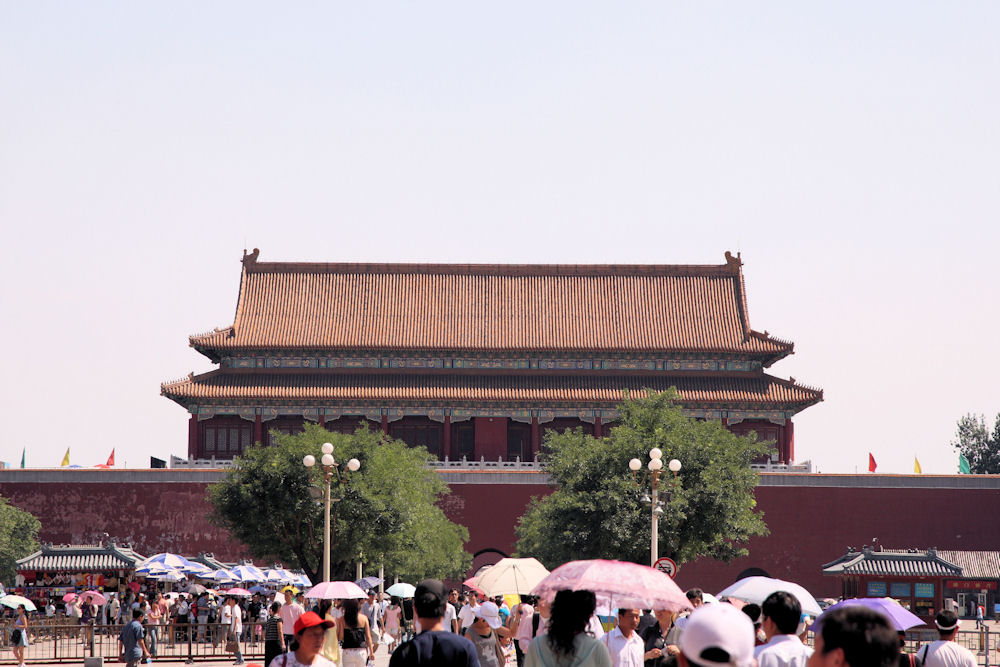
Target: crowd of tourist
(438,626)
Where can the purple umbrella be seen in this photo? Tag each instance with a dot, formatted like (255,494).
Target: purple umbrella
(900,618)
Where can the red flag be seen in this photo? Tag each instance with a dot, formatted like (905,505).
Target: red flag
(111,459)
(871,463)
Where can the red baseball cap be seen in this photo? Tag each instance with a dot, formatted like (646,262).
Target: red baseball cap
(309,619)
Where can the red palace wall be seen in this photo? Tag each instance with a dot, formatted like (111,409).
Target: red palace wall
(812,518)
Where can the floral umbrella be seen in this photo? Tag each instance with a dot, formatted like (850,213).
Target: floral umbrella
(336,590)
(625,584)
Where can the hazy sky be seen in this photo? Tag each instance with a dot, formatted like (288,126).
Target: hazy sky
(849,150)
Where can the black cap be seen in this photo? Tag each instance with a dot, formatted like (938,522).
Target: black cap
(429,598)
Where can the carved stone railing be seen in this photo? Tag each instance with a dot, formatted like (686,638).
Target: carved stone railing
(463,464)
(485,464)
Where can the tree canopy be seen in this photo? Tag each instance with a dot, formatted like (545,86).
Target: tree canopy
(978,445)
(388,513)
(18,538)
(595,509)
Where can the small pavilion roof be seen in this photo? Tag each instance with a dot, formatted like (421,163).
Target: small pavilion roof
(898,563)
(264,386)
(538,307)
(81,558)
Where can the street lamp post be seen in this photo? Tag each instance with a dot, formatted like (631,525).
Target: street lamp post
(330,468)
(655,467)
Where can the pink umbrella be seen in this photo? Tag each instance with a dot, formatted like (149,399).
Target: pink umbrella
(69,597)
(94,596)
(240,592)
(336,590)
(626,584)
(471,583)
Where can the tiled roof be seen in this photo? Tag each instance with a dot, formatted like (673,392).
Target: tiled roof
(81,558)
(452,388)
(975,564)
(895,563)
(492,307)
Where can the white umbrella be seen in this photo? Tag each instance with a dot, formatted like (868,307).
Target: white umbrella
(13,601)
(512,576)
(401,590)
(756,590)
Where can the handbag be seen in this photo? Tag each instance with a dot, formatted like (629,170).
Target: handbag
(15,636)
(231,646)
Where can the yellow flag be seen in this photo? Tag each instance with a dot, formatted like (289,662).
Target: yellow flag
(916,465)
(65,461)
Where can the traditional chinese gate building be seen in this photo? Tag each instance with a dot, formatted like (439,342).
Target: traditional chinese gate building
(478,361)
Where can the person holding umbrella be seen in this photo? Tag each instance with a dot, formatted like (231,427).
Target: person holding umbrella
(566,641)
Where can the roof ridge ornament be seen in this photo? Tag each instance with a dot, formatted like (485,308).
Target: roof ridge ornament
(250,259)
(734,263)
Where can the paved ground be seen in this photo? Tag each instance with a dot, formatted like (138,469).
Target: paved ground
(382,657)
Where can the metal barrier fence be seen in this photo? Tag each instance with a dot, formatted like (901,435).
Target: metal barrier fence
(982,643)
(189,642)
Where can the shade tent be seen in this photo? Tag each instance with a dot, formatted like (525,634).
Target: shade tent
(174,561)
(280,576)
(248,574)
(221,576)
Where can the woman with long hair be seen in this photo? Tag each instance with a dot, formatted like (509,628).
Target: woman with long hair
(21,629)
(567,643)
(355,636)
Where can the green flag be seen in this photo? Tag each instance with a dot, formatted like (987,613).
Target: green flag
(24,451)
(963,465)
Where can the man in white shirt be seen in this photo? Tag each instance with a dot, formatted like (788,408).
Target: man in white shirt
(624,643)
(467,615)
(235,627)
(780,615)
(449,621)
(50,609)
(945,652)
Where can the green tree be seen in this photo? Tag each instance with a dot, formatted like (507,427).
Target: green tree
(388,513)
(18,538)
(595,510)
(974,441)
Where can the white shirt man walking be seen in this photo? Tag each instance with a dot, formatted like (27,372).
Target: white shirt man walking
(945,652)
(624,643)
(780,615)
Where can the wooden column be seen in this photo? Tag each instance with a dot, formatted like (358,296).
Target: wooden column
(258,429)
(446,445)
(193,437)
(534,438)
(790,442)
(597,427)
(322,419)
(385,424)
